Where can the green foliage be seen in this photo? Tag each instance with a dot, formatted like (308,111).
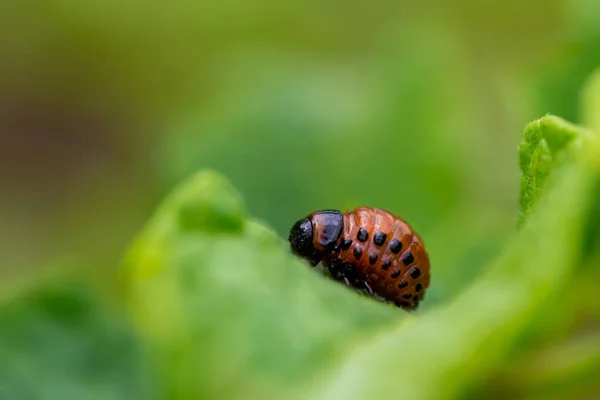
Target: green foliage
(454,347)
(402,108)
(241,308)
(232,314)
(59,341)
(544,145)
(223,309)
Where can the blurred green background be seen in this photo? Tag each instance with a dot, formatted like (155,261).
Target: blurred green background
(416,107)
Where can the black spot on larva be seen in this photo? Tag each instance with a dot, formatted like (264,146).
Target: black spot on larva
(379,238)
(407,258)
(347,243)
(395,246)
(419,287)
(416,299)
(357,253)
(402,284)
(362,235)
(372,258)
(415,272)
(395,273)
(385,264)
(407,295)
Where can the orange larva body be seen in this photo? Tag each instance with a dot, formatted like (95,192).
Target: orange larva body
(373,250)
(397,267)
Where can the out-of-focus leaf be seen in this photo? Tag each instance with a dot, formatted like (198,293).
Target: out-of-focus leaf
(229,312)
(59,342)
(453,348)
(591,102)
(544,146)
(558,372)
(204,205)
(591,117)
(225,302)
(556,354)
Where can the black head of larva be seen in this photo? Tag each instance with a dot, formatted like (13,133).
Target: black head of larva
(301,238)
(324,226)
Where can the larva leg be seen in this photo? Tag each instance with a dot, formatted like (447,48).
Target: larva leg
(335,270)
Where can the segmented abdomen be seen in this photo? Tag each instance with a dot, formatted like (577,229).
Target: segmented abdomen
(387,253)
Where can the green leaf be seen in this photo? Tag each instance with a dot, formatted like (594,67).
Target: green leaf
(546,144)
(231,313)
(454,348)
(205,203)
(59,342)
(591,102)
(557,372)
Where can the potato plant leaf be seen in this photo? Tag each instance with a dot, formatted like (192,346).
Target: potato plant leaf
(547,142)
(60,341)
(229,312)
(455,347)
